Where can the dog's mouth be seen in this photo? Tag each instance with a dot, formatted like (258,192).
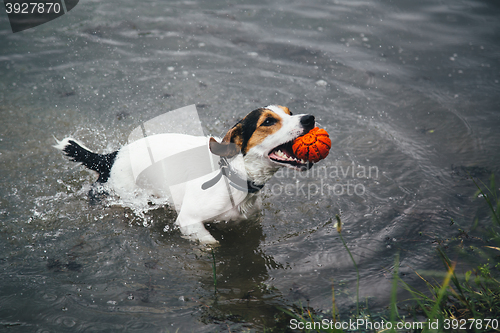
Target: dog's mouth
(283,154)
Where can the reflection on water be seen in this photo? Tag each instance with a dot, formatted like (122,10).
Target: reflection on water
(406,88)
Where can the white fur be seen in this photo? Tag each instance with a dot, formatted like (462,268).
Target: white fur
(194,204)
(258,166)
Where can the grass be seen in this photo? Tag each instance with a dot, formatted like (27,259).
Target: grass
(467,302)
(339,231)
(214,270)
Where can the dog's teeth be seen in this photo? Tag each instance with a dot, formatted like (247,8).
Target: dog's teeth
(286,157)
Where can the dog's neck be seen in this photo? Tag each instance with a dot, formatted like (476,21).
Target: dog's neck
(258,170)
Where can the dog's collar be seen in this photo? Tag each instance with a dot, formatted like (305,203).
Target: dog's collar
(234,179)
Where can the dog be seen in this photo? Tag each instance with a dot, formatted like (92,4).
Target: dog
(249,154)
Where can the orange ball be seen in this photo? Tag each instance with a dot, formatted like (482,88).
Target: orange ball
(313,146)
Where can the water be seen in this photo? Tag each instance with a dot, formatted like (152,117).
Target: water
(407,90)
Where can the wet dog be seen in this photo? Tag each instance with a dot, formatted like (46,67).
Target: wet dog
(249,155)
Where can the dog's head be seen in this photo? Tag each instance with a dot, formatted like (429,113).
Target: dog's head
(265,137)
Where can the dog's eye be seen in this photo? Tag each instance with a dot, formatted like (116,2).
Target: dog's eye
(269,122)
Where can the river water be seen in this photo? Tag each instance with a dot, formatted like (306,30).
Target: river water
(408,90)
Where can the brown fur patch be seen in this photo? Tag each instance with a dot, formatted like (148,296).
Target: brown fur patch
(285,109)
(234,135)
(230,145)
(261,131)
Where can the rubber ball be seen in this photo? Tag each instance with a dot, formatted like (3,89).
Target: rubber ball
(313,146)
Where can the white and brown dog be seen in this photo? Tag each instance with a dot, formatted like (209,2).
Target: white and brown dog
(250,153)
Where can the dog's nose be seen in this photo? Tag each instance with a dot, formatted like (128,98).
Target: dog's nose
(307,122)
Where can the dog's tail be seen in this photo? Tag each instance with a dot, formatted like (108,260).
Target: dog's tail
(77,152)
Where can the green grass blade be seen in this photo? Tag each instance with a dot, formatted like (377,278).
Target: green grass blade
(339,228)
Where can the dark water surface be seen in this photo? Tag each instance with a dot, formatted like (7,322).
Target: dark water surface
(408,90)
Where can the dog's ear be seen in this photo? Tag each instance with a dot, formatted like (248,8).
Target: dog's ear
(224,149)
(230,145)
